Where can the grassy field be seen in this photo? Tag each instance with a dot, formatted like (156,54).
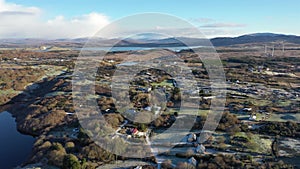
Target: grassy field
(256,142)
(280,117)
(261,102)
(8,92)
(163,83)
(284,103)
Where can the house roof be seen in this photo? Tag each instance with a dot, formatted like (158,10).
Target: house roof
(135,131)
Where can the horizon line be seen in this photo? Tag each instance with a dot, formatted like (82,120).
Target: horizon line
(87,37)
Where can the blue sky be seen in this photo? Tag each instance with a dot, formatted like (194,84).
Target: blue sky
(214,17)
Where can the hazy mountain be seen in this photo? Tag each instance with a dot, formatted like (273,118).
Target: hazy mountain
(255,38)
(264,34)
(148,36)
(154,40)
(220,41)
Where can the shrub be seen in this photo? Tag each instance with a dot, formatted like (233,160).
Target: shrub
(69,146)
(46,145)
(166,164)
(71,162)
(56,155)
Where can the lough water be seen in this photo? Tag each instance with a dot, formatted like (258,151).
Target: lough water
(15,147)
(122,49)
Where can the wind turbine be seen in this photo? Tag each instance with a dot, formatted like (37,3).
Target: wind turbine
(283,47)
(265,49)
(273,50)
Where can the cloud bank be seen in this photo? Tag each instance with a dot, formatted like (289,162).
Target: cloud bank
(19,21)
(213,28)
(223,25)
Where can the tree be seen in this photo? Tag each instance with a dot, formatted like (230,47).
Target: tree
(176,114)
(71,162)
(176,96)
(56,154)
(143,127)
(69,146)
(233,130)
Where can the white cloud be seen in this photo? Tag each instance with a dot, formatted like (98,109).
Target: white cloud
(25,22)
(212,33)
(19,21)
(81,26)
(223,25)
(205,32)
(11,7)
(211,27)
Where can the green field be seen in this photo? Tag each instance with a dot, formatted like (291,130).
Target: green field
(163,83)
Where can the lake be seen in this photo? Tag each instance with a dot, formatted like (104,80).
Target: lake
(15,147)
(122,49)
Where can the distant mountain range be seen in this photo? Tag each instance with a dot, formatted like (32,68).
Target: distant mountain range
(256,38)
(150,40)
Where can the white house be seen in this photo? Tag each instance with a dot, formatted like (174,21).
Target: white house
(193,161)
(200,149)
(149,89)
(192,137)
(148,108)
(247,109)
(141,134)
(252,117)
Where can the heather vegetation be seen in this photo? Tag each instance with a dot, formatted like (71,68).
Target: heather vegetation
(260,119)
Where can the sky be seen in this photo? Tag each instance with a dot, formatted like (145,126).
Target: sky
(54,19)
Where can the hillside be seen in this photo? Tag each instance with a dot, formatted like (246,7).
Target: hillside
(152,41)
